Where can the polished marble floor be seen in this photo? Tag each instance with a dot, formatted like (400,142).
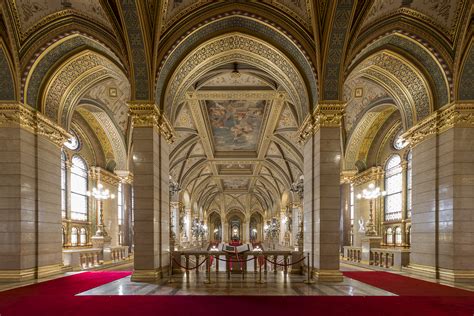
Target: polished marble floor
(274,285)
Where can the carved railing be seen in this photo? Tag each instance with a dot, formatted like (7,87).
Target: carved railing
(389,258)
(352,253)
(82,258)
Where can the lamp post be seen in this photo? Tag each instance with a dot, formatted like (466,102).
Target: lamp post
(371,193)
(100,194)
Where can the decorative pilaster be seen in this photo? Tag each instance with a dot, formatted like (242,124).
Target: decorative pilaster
(443,177)
(30,186)
(322,154)
(152,134)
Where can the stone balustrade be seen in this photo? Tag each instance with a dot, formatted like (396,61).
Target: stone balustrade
(352,253)
(390,258)
(79,259)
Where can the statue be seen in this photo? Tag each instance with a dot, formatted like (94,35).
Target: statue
(361,225)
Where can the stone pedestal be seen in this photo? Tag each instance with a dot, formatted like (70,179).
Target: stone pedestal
(368,243)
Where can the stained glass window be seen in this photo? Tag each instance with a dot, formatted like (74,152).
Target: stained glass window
(393,187)
(63,184)
(79,179)
(409,183)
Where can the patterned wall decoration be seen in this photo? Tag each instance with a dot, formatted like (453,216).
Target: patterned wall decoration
(31,83)
(30,15)
(420,54)
(356,106)
(404,80)
(261,30)
(63,90)
(7,84)
(466,82)
(444,14)
(337,40)
(117,103)
(136,43)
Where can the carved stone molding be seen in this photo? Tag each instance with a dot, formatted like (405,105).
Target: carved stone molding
(148,115)
(453,115)
(347,176)
(372,174)
(104,176)
(20,115)
(325,115)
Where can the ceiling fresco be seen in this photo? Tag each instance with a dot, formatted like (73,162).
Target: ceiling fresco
(235,124)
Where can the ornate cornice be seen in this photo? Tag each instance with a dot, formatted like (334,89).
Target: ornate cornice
(450,116)
(347,176)
(325,115)
(20,115)
(148,115)
(104,176)
(371,174)
(125,176)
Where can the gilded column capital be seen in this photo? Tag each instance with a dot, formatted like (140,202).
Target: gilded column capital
(25,117)
(450,116)
(325,115)
(371,174)
(149,115)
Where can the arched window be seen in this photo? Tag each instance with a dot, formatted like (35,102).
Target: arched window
(389,236)
(83,237)
(79,179)
(74,236)
(409,183)
(63,184)
(398,236)
(393,187)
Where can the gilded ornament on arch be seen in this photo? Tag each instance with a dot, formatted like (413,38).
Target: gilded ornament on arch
(325,115)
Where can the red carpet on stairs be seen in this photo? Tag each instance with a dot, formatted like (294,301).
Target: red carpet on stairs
(57,297)
(405,286)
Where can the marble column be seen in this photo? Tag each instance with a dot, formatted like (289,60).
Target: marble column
(443,194)
(322,154)
(30,190)
(151,192)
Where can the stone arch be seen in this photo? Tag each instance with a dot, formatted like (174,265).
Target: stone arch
(244,25)
(403,81)
(235,47)
(52,56)
(405,44)
(8,89)
(64,87)
(465,87)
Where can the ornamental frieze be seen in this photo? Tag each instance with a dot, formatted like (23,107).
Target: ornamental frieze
(454,115)
(19,115)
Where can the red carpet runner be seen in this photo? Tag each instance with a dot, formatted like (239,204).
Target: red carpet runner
(405,286)
(57,298)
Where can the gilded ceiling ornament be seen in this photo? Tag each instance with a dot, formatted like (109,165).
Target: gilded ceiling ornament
(19,115)
(148,115)
(452,116)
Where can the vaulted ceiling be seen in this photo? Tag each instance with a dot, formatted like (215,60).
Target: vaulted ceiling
(234,139)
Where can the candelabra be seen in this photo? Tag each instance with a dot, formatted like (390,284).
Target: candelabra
(101,195)
(371,194)
(272,228)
